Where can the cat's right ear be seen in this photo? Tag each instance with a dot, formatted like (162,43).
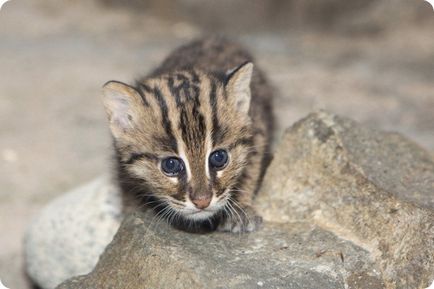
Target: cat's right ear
(120,101)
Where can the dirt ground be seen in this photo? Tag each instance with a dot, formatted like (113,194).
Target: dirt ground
(55,56)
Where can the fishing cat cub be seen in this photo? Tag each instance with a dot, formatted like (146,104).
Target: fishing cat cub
(192,139)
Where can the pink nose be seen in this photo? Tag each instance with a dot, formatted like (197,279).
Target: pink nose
(201,203)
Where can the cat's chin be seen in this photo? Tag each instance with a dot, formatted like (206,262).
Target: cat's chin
(201,222)
(202,215)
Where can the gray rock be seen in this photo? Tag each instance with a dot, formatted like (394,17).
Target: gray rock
(373,188)
(345,207)
(144,254)
(68,236)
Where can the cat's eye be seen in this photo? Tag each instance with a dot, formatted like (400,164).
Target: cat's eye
(218,159)
(172,166)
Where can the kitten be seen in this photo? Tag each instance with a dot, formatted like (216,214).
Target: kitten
(192,139)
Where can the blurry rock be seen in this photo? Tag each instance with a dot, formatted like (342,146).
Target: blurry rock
(373,188)
(345,207)
(382,15)
(144,254)
(71,232)
(358,16)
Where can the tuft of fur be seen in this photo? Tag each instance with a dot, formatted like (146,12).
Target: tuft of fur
(205,96)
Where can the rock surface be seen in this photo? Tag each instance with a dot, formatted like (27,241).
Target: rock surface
(373,188)
(292,255)
(345,207)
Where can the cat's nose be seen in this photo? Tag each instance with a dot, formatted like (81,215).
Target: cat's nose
(201,203)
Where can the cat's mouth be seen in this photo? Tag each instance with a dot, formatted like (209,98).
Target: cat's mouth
(189,211)
(200,214)
(197,211)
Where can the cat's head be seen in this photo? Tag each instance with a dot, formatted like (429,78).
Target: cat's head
(183,138)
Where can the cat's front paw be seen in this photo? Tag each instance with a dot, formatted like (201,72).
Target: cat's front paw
(242,220)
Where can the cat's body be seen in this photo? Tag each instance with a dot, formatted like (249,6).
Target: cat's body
(193,138)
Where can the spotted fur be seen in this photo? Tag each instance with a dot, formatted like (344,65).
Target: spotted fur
(202,98)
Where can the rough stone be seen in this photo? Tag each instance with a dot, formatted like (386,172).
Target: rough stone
(144,254)
(344,207)
(373,188)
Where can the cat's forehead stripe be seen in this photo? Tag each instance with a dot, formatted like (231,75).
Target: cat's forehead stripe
(191,119)
(165,119)
(179,87)
(214,111)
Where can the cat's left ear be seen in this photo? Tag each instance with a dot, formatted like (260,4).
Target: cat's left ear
(121,103)
(238,86)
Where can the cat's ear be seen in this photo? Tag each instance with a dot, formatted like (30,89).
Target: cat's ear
(238,86)
(120,101)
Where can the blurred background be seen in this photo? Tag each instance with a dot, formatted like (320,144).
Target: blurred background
(369,60)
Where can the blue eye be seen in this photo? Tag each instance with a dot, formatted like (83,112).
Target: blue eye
(172,166)
(218,159)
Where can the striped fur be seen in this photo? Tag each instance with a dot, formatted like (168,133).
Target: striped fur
(189,107)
